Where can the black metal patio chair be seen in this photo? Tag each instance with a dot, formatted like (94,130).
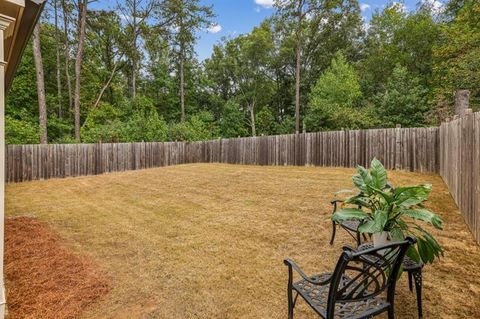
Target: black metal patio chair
(350,226)
(355,289)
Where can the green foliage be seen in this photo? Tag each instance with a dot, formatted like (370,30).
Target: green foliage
(337,86)
(457,55)
(287,125)
(232,122)
(266,123)
(198,127)
(147,127)
(333,99)
(137,121)
(109,132)
(20,132)
(404,100)
(396,211)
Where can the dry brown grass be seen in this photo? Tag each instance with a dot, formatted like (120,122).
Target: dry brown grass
(207,240)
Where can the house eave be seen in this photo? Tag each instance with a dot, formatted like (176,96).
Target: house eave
(26,17)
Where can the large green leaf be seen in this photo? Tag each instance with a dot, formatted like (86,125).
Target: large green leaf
(343,191)
(362,179)
(348,214)
(428,247)
(425,251)
(397,234)
(378,174)
(413,254)
(380,217)
(360,200)
(386,196)
(368,227)
(424,215)
(410,196)
(437,249)
(376,225)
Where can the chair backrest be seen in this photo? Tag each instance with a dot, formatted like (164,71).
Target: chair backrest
(362,275)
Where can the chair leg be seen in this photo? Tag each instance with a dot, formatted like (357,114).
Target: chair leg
(334,230)
(391,314)
(417,275)
(364,237)
(291,304)
(410,285)
(359,240)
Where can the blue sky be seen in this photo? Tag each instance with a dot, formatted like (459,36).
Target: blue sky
(241,16)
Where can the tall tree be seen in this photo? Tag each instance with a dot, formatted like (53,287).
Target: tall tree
(404,100)
(186,17)
(107,41)
(82,22)
(58,66)
(66,51)
(242,67)
(135,13)
(297,11)
(335,93)
(457,56)
(42,104)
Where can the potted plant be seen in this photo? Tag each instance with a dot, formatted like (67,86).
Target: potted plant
(389,213)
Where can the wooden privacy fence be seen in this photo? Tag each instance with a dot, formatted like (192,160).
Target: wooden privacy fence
(460,165)
(413,149)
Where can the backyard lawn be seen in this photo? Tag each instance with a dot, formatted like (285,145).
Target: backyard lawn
(208,240)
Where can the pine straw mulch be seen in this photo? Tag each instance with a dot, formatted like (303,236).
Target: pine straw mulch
(45,279)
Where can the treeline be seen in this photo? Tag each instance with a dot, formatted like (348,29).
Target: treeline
(130,73)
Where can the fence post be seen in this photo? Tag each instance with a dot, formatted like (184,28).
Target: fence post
(462,101)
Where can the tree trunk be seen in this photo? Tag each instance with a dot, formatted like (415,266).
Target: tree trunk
(42,105)
(107,84)
(298,67)
(182,83)
(57,47)
(251,108)
(67,55)
(134,48)
(78,65)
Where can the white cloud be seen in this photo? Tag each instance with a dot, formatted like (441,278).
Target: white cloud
(214,28)
(265,3)
(400,5)
(364,6)
(435,5)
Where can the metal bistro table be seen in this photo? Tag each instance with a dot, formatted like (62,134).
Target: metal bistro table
(414,271)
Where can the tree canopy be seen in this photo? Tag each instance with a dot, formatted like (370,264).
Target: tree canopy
(318,66)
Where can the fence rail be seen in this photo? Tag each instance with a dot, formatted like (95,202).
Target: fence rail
(460,166)
(411,149)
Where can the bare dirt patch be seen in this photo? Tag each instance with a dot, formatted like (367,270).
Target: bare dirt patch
(45,279)
(208,240)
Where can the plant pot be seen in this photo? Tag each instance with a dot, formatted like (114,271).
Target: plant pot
(380,239)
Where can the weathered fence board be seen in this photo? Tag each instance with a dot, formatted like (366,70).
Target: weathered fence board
(460,165)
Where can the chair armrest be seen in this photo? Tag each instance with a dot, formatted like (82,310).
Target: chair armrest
(292,265)
(335,201)
(334,204)
(348,248)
